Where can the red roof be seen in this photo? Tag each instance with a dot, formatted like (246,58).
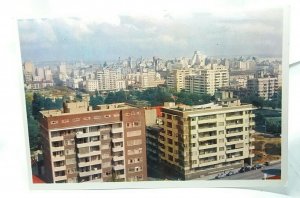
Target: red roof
(37,180)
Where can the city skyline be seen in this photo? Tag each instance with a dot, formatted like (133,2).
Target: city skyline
(248,33)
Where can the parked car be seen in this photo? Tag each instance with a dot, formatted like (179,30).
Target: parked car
(247,168)
(242,170)
(230,173)
(258,166)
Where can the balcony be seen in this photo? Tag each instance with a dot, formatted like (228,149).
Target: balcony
(231,126)
(59,168)
(58,158)
(235,141)
(206,129)
(82,135)
(208,154)
(252,115)
(114,140)
(252,139)
(234,133)
(234,117)
(213,120)
(117,130)
(57,138)
(251,123)
(88,173)
(118,158)
(252,131)
(234,150)
(95,162)
(94,133)
(81,145)
(234,158)
(94,143)
(88,154)
(207,146)
(118,167)
(208,162)
(117,149)
(83,164)
(59,148)
(204,138)
(59,178)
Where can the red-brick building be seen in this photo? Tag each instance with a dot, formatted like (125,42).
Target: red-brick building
(85,145)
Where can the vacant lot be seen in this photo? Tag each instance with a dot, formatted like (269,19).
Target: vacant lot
(266,148)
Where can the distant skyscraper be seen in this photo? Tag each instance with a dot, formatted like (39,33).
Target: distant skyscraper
(198,59)
(28,71)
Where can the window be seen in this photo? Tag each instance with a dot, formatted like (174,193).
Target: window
(128,125)
(134,142)
(65,121)
(86,118)
(127,114)
(107,116)
(136,124)
(54,122)
(134,151)
(75,119)
(221,157)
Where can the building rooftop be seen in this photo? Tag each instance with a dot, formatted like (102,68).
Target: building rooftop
(82,107)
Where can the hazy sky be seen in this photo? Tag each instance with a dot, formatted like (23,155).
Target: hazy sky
(167,36)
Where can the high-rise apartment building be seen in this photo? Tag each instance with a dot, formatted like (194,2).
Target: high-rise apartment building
(28,71)
(264,86)
(208,80)
(176,80)
(85,145)
(107,79)
(205,139)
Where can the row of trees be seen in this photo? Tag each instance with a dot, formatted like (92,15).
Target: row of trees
(154,96)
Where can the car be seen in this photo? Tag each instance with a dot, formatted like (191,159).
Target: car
(247,168)
(242,170)
(230,173)
(258,166)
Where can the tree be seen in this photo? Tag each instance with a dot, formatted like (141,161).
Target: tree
(110,98)
(96,100)
(37,104)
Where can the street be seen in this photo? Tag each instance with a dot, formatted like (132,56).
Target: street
(256,174)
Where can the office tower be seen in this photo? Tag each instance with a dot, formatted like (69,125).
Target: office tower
(208,80)
(205,139)
(85,145)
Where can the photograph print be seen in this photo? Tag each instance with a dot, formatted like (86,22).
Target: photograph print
(165,97)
